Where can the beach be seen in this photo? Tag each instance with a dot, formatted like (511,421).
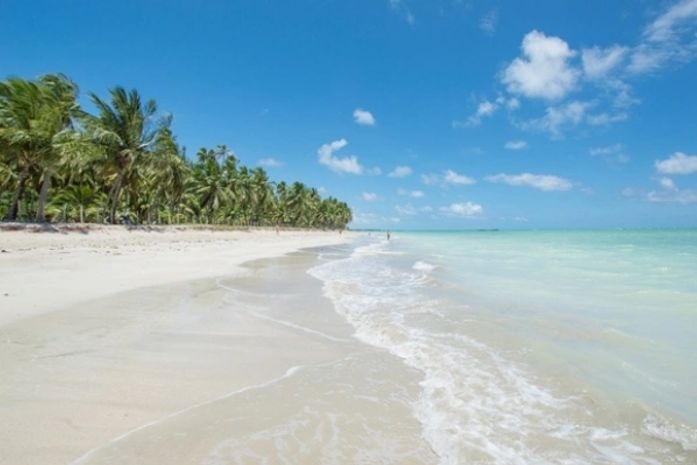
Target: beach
(113,339)
(218,347)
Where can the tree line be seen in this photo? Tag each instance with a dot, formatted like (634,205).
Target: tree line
(60,163)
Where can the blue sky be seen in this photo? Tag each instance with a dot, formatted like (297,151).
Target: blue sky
(419,113)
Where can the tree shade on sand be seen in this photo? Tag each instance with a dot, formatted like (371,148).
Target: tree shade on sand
(123,164)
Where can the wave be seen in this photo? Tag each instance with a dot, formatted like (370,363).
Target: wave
(475,405)
(423,266)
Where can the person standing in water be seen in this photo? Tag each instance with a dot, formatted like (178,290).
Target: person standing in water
(388,235)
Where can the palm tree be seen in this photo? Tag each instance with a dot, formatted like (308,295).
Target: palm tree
(172,171)
(57,160)
(126,130)
(60,111)
(21,132)
(78,201)
(36,127)
(211,179)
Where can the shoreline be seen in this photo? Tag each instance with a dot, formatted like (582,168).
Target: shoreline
(44,271)
(87,378)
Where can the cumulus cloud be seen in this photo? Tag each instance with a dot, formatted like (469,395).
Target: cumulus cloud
(363,117)
(464,210)
(667,184)
(369,196)
(544,70)
(678,163)
(598,62)
(543,182)
(339,165)
(515,145)
(270,163)
(484,110)
(615,152)
(400,172)
(671,193)
(451,177)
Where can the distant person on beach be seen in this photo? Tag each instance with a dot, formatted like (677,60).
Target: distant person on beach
(388,235)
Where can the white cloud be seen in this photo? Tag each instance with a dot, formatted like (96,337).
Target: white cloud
(671,193)
(678,163)
(400,172)
(556,118)
(415,194)
(430,179)
(544,70)
(615,152)
(486,109)
(543,182)
(270,163)
(451,177)
(465,209)
(606,119)
(664,27)
(375,171)
(667,184)
(340,165)
(682,196)
(515,145)
(407,209)
(401,7)
(670,37)
(487,23)
(363,117)
(369,196)
(512,104)
(598,62)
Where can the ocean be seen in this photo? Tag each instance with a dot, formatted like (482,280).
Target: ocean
(534,347)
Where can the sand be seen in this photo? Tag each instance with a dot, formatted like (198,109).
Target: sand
(137,347)
(42,272)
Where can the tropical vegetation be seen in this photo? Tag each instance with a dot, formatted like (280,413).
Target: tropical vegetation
(122,164)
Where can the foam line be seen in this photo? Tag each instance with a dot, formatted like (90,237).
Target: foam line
(290,372)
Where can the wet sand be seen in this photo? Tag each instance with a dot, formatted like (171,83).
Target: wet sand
(254,367)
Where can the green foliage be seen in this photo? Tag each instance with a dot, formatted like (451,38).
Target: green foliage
(123,164)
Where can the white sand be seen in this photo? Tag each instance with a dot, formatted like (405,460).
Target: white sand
(43,272)
(105,333)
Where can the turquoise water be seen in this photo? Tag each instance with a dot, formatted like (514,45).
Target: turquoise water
(536,347)
(619,308)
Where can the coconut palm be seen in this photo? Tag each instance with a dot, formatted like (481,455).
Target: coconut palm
(126,129)
(212,179)
(60,163)
(36,128)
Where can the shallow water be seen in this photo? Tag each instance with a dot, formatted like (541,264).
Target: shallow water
(570,347)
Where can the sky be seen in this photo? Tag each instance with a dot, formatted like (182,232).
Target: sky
(421,114)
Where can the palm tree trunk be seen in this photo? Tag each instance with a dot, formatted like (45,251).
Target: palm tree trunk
(21,182)
(43,195)
(115,194)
